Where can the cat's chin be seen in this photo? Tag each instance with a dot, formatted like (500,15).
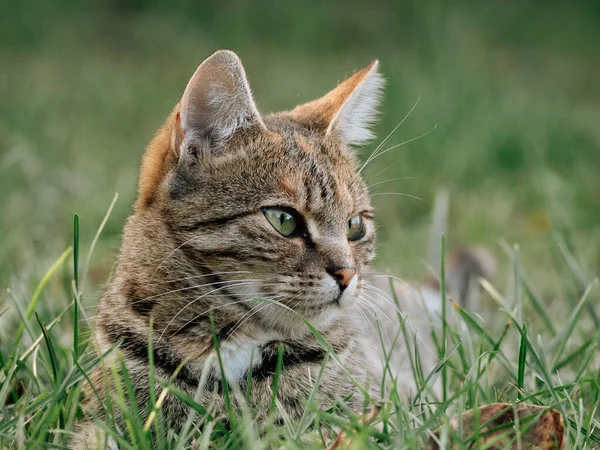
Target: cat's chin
(327,317)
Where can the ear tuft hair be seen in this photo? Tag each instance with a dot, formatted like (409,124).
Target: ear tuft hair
(217,101)
(349,110)
(353,122)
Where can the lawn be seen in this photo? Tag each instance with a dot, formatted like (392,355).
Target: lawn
(506,122)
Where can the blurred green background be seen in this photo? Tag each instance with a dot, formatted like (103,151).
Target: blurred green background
(513,87)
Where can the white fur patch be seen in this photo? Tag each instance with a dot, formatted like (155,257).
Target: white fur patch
(350,292)
(238,355)
(358,113)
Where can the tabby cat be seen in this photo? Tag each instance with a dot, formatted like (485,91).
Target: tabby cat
(245,227)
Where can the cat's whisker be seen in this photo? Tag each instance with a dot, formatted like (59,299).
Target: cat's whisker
(254,310)
(385,169)
(223,282)
(383,152)
(228,295)
(191,277)
(392,277)
(373,155)
(374,310)
(271,312)
(373,305)
(172,253)
(285,309)
(378,315)
(199,286)
(400,194)
(362,313)
(214,308)
(385,297)
(386,275)
(389,180)
(195,300)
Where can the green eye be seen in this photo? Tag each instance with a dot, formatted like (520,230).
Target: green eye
(355,228)
(282,221)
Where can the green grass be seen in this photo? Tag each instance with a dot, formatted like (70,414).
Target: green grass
(40,387)
(510,86)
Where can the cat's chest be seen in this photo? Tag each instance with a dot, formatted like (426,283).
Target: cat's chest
(238,355)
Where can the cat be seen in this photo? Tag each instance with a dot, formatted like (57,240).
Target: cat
(247,226)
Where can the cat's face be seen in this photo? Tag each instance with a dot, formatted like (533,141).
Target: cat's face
(273,206)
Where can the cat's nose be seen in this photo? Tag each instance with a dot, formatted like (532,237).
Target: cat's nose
(342,275)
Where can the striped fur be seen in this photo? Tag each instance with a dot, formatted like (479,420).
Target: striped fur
(202,271)
(198,253)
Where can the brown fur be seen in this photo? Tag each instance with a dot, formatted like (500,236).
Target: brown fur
(200,262)
(319,113)
(198,252)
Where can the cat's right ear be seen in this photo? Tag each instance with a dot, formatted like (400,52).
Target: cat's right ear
(217,103)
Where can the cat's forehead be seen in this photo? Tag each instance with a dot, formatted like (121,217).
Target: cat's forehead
(317,173)
(285,166)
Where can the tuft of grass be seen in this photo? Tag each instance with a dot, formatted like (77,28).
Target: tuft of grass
(40,388)
(516,145)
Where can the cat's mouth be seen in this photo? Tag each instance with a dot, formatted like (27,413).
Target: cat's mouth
(343,297)
(336,300)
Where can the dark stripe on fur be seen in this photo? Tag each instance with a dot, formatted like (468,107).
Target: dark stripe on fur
(218,222)
(227,253)
(293,355)
(137,347)
(143,307)
(139,304)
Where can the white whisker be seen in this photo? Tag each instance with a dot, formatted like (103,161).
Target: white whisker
(171,254)
(374,154)
(193,301)
(400,194)
(253,298)
(389,180)
(386,297)
(245,318)
(383,152)
(191,277)
(198,286)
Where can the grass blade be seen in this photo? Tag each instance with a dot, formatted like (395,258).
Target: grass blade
(522,362)
(38,291)
(76,282)
(88,259)
(278,367)
(559,343)
(444,318)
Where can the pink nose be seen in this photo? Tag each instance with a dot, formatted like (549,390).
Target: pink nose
(342,275)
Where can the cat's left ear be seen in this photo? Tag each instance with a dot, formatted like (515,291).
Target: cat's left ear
(349,111)
(217,101)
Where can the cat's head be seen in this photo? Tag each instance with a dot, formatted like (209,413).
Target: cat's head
(274,204)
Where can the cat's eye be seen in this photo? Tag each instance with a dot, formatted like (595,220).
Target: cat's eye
(355,228)
(283,221)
